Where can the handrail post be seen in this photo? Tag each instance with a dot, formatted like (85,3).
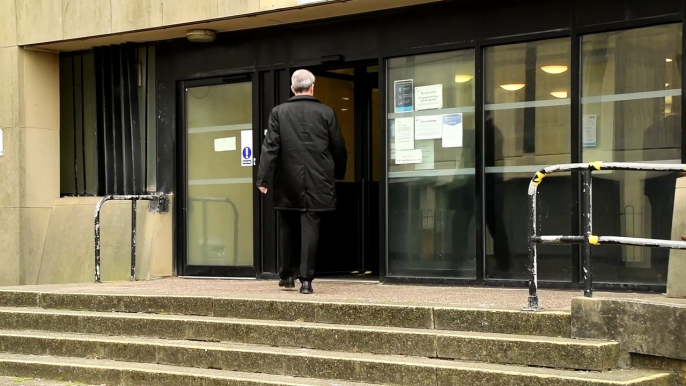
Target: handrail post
(97,236)
(587,220)
(134,205)
(533,264)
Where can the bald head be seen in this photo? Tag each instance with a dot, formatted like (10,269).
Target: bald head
(302,83)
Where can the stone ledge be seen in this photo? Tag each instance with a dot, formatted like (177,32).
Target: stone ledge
(641,327)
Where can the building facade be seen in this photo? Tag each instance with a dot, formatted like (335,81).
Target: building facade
(448,108)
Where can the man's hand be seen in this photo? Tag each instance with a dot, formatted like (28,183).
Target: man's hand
(263,189)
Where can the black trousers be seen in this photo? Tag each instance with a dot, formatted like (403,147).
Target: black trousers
(298,238)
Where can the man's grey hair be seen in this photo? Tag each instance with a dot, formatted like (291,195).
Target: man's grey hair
(302,80)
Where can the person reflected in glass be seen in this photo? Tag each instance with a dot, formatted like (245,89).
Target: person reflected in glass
(462,201)
(305,152)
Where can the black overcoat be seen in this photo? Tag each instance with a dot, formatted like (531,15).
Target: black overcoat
(305,151)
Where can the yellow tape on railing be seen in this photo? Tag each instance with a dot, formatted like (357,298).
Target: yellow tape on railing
(593,240)
(597,164)
(539,177)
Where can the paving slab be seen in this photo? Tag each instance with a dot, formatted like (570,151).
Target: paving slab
(333,291)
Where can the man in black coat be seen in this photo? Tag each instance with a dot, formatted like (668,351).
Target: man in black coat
(306,153)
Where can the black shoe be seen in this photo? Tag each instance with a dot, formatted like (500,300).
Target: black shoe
(287,283)
(306,288)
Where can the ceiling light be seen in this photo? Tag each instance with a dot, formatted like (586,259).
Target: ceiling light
(463,78)
(666,84)
(201,36)
(344,109)
(346,99)
(559,94)
(668,60)
(512,86)
(554,69)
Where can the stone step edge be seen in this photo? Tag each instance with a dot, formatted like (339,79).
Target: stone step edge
(116,372)
(453,317)
(116,343)
(97,371)
(306,324)
(517,349)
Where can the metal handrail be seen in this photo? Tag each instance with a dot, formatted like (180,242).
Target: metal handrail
(204,201)
(588,238)
(162,204)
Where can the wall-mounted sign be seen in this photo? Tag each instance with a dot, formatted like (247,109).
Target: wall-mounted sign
(403,91)
(590,130)
(246,148)
(428,97)
(225,144)
(404,133)
(452,130)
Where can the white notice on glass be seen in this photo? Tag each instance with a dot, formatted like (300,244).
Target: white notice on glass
(225,144)
(452,130)
(403,157)
(590,129)
(404,133)
(427,148)
(428,97)
(246,148)
(429,127)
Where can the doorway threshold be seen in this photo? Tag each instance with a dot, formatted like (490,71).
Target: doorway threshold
(216,278)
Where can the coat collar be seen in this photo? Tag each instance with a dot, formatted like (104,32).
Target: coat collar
(308,98)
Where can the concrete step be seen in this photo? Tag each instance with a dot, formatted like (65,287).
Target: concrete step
(115,373)
(551,352)
(542,323)
(103,371)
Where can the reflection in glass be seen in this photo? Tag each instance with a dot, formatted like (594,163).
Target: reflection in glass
(527,126)
(631,103)
(220,189)
(431,205)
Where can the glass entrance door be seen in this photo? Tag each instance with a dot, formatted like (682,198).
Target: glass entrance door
(217,202)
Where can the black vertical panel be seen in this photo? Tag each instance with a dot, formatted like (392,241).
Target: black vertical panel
(74,103)
(108,121)
(480,171)
(266,100)
(117,145)
(530,113)
(125,133)
(137,164)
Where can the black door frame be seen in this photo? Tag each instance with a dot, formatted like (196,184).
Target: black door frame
(183,268)
(275,87)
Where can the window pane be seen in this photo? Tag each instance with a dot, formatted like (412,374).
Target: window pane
(220,187)
(431,204)
(527,127)
(631,104)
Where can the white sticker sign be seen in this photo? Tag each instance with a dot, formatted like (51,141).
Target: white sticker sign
(403,157)
(225,144)
(404,133)
(246,148)
(590,129)
(428,97)
(428,127)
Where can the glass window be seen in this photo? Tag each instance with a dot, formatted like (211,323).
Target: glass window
(527,127)
(631,106)
(220,184)
(431,180)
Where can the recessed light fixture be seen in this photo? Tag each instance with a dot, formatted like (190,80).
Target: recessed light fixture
(559,94)
(201,36)
(668,60)
(666,84)
(463,78)
(512,86)
(344,109)
(554,69)
(346,98)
